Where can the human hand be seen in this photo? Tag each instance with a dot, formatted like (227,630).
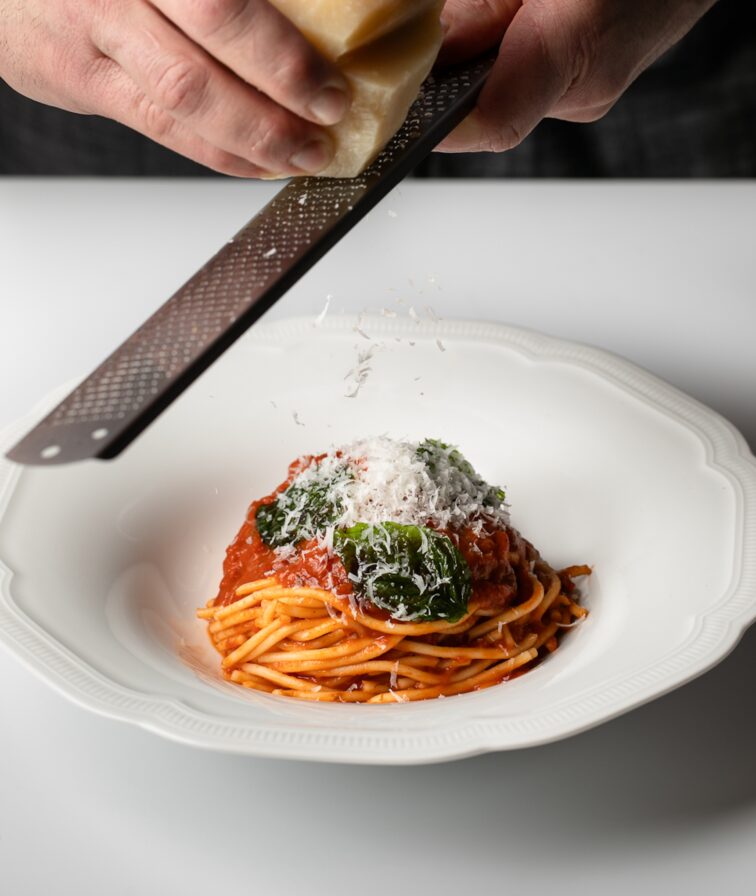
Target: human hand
(229,83)
(567,59)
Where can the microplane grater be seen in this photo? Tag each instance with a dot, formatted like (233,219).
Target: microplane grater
(132,387)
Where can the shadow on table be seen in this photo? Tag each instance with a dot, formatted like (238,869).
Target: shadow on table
(679,768)
(680,763)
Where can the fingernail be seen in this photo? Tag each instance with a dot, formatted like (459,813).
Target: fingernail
(329,106)
(313,156)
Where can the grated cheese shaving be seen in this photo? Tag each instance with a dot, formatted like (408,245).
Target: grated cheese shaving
(390,481)
(321,317)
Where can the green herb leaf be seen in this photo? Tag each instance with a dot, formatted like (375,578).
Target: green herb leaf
(411,572)
(306,508)
(447,465)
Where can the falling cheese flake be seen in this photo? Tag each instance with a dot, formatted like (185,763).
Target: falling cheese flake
(295,415)
(270,253)
(413,314)
(362,333)
(392,213)
(440,345)
(273,404)
(386,312)
(358,375)
(321,317)
(432,314)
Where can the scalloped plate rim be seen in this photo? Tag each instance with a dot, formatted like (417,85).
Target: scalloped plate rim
(725,450)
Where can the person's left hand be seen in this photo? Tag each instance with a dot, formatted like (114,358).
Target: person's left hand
(567,59)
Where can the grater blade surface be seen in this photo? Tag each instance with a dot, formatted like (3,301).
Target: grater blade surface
(132,387)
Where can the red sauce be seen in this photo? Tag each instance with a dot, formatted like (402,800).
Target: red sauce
(488,554)
(249,558)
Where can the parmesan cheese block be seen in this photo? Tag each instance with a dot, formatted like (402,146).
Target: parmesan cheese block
(337,27)
(385,73)
(385,78)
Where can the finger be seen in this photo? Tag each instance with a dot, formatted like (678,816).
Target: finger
(183,81)
(262,47)
(474,26)
(524,86)
(114,94)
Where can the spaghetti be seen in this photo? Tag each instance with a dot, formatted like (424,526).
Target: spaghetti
(316,606)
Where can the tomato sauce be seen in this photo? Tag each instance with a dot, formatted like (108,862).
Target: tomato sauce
(488,554)
(249,558)
(311,565)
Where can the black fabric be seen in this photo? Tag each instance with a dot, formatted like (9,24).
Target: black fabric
(37,139)
(693,114)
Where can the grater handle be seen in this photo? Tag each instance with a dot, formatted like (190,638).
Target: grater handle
(132,387)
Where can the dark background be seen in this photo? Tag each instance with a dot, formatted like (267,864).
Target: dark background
(692,114)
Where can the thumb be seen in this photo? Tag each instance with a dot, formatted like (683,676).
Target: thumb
(474,26)
(525,84)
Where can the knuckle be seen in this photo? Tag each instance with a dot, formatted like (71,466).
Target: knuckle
(219,160)
(273,141)
(154,121)
(295,70)
(505,137)
(97,76)
(554,33)
(180,86)
(610,84)
(577,45)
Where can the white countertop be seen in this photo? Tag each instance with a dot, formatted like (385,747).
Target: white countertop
(663,798)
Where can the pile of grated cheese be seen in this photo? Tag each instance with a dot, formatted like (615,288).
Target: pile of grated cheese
(389,481)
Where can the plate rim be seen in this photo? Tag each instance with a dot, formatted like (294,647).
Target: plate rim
(712,638)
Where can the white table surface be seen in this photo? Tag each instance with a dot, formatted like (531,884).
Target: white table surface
(662,799)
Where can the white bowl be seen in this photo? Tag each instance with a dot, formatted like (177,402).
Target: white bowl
(103,564)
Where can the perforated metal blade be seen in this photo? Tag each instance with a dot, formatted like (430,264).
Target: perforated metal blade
(237,286)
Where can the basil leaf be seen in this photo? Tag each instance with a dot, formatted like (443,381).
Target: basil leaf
(308,506)
(411,572)
(447,465)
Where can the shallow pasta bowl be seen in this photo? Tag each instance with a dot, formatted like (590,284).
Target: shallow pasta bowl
(103,564)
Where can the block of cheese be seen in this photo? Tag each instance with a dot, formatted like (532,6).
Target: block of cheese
(337,27)
(395,43)
(385,78)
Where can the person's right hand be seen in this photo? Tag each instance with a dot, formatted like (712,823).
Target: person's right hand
(231,84)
